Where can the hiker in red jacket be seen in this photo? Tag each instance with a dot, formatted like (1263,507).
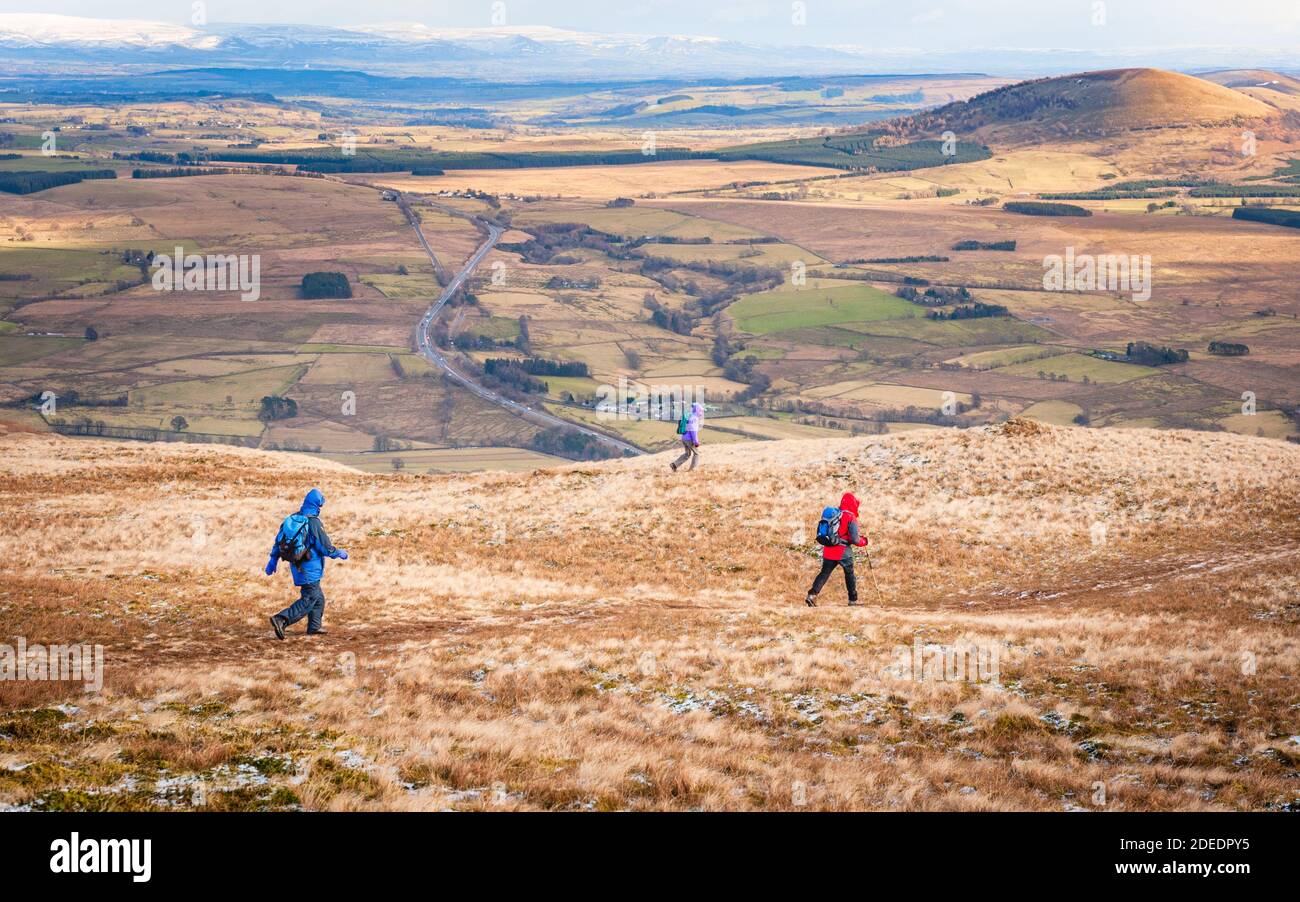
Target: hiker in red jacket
(842,554)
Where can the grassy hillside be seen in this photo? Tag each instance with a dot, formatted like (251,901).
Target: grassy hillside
(618,636)
(1093,103)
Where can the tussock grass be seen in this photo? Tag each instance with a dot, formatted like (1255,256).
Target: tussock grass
(636,639)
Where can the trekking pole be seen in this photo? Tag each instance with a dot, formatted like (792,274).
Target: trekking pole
(872,571)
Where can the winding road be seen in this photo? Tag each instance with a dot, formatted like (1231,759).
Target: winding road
(432,353)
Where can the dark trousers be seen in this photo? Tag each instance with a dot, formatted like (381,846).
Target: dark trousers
(828,567)
(310,604)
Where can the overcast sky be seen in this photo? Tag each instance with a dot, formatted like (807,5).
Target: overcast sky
(947,24)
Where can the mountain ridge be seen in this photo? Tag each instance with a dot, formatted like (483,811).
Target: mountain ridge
(88,44)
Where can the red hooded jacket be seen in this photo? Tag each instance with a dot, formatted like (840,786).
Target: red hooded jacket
(848,529)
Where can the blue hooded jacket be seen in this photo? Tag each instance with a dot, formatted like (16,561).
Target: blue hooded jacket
(312,570)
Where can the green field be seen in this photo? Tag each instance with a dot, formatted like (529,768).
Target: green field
(987,360)
(56,270)
(822,302)
(397,287)
(989,330)
(578,386)
(19,349)
(778,255)
(1075,366)
(1054,413)
(238,394)
(198,423)
(42,163)
(497,328)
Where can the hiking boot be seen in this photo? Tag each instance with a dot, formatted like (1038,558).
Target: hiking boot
(277,624)
(811,600)
(673,465)
(320,632)
(853,603)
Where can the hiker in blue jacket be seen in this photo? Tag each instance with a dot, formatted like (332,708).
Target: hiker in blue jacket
(307,573)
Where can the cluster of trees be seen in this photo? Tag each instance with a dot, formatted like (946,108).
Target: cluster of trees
(969,311)
(1134,188)
(727,354)
(524,341)
(548,243)
(570,443)
(326,285)
(673,239)
(741,369)
(471,340)
(505,373)
(1150,355)
(1246,191)
(1288,218)
(1228,349)
(724,348)
(30,182)
(540,366)
(384,444)
(560,283)
(184,158)
(744,369)
(737,279)
(678,321)
(275,407)
(1113,193)
(72,398)
(1037,208)
(84,426)
(183,172)
(1007,103)
(972,245)
(934,296)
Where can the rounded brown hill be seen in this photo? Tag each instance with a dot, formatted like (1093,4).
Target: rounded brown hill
(1092,103)
(1251,80)
(1265,85)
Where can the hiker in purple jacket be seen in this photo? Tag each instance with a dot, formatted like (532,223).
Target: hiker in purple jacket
(691,438)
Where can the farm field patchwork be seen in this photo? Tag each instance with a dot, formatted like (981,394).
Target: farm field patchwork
(819,303)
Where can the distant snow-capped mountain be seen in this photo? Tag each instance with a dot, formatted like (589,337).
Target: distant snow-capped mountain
(505,52)
(36,30)
(521,53)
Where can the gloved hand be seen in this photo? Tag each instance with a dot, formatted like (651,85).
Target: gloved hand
(271,565)
(343,555)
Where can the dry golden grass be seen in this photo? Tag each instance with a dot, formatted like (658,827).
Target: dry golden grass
(618,636)
(606,182)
